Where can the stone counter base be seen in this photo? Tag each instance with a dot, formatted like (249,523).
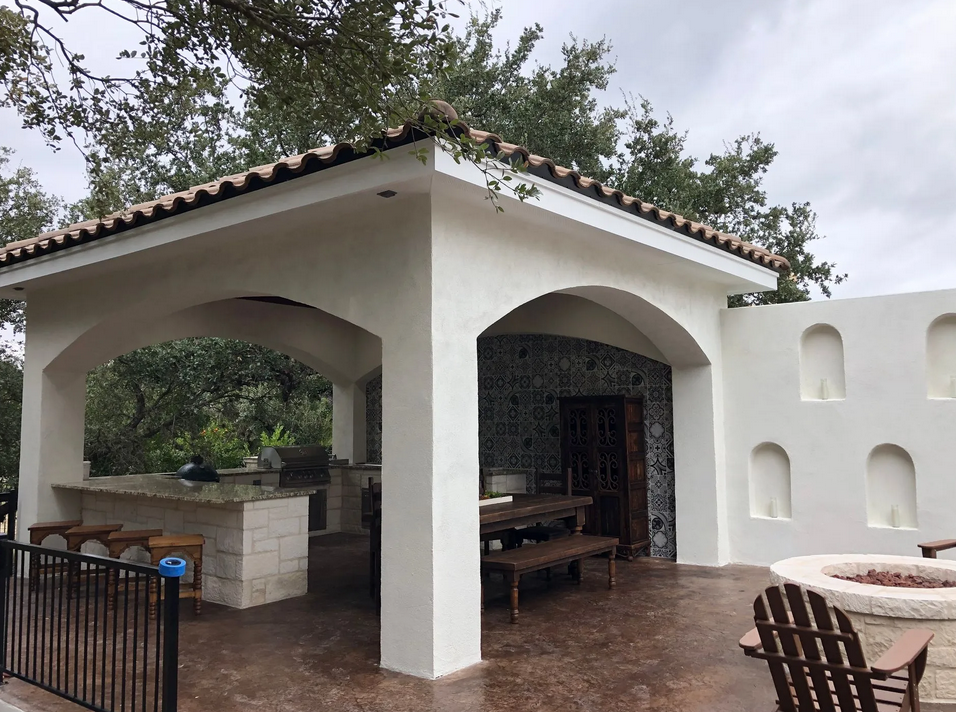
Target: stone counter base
(255,552)
(881,614)
(878,633)
(346,510)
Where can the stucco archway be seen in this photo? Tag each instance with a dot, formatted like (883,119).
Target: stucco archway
(331,346)
(337,349)
(627,321)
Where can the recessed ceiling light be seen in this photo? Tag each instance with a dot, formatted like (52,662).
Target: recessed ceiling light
(388,194)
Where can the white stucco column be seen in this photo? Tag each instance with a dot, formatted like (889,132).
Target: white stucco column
(51,443)
(348,421)
(702,536)
(431,620)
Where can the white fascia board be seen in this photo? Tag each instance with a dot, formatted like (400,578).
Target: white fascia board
(746,276)
(333,183)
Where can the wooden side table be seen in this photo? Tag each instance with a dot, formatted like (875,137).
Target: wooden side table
(188,545)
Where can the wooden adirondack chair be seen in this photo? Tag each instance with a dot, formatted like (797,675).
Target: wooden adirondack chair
(836,678)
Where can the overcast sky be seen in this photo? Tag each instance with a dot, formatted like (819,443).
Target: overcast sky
(859,97)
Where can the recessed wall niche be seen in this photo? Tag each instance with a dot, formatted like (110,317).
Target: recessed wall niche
(821,364)
(770,482)
(890,488)
(941,357)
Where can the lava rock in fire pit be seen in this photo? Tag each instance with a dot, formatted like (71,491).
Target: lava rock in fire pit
(197,471)
(897,580)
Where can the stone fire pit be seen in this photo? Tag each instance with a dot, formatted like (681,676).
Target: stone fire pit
(880,614)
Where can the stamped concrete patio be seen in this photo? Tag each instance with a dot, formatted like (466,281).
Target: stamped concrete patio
(664,639)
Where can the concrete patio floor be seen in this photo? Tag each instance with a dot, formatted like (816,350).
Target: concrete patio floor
(664,639)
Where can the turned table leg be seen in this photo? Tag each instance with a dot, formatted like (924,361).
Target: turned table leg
(153,597)
(111,585)
(611,570)
(197,584)
(514,598)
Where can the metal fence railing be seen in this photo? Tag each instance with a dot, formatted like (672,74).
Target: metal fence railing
(78,626)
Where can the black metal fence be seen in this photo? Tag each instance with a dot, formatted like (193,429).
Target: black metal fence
(89,628)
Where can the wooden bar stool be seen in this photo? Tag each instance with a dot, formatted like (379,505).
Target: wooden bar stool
(117,543)
(38,533)
(80,535)
(41,530)
(188,545)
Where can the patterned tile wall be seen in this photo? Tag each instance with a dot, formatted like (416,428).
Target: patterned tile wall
(520,379)
(373,420)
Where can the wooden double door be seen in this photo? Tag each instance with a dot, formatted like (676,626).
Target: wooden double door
(602,444)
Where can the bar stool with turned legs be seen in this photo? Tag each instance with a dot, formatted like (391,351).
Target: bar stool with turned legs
(38,533)
(118,543)
(78,536)
(188,545)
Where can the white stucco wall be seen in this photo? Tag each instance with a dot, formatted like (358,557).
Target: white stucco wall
(828,442)
(408,283)
(364,261)
(524,255)
(568,315)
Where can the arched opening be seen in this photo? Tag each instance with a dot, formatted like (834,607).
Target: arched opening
(770,489)
(572,344)
(219,379)
(522,378)
(891,488)
(595,342)
(822,373)
(153,408)
(624,363)
(941,357)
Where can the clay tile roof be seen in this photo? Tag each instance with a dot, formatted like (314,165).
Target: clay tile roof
(321,158)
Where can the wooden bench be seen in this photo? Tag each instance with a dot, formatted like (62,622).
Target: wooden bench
(931,547)
(515,562)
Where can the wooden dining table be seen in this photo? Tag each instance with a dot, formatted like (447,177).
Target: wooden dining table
(528,509)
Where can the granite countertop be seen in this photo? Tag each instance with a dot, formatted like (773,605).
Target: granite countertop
(166,487)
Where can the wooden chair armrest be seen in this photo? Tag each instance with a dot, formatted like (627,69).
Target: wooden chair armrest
(751,641)
(934,546)
(904,651)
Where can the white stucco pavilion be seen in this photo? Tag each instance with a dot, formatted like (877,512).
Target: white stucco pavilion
(402,286)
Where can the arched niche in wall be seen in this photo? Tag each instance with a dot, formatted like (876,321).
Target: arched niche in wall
(941,357)
(822,376)
(890,488)
(770,482)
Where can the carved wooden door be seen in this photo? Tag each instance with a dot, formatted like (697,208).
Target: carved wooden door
(602,443)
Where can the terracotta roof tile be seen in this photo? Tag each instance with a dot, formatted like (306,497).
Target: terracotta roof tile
(321,158)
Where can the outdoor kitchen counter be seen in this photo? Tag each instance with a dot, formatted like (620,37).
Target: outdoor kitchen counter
(257,538)
(340,499)
(171,487)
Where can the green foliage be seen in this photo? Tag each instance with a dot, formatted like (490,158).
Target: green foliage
(219,446)
(359,59)
(140,403)
(279,437)
(554,112)
(727,193)
(11,390)
(25,212)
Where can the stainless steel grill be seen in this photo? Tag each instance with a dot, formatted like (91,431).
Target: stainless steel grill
(298,465)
